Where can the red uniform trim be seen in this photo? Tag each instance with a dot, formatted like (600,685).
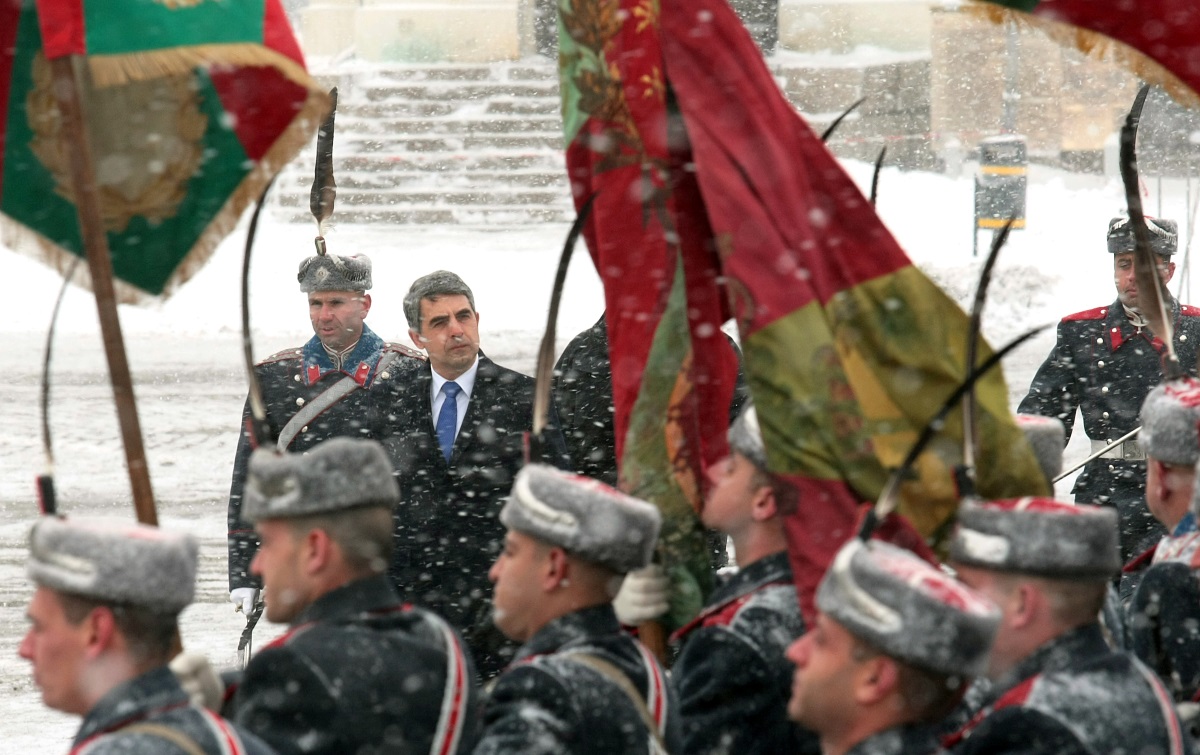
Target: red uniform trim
(1013,697)
(721,615)
(1137,563)
(1099,313)
(1187,310)
(287,636)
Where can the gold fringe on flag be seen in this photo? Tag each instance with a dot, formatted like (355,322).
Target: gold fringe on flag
(114,70)
(1095,46)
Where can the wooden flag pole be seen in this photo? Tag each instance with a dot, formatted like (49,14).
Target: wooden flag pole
(95,242)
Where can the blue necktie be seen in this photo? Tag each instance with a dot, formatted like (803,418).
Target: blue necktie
(447,421)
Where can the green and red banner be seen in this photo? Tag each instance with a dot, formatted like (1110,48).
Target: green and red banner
(191,107)
(849,349)
(1166,32)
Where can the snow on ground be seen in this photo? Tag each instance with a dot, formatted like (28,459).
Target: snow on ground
(185,357)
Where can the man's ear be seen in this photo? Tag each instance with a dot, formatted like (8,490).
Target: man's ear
(101,628)
(317,550)
(1028,604)
(876,679)
(763,505)
(557,569)
(366,302)
(417,340)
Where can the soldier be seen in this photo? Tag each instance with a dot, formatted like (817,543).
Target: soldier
(894,646)
(731,677)
(1058,688)
(1164,614)
(103,623)
(578,684)
(334,385)
(1104,364)
(358,671)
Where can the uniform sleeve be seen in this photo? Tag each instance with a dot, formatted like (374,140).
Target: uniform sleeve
(730,698)
(1013,731)
(243,543)
(284,701)
(1164,626)
(1053,392)
(529,712)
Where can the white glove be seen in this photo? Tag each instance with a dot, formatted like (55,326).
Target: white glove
(199,681)
(243,599)
(644,596)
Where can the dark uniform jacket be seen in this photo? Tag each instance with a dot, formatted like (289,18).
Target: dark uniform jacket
(902,740)
(1074,695)
(291,380)
(550,702)
(130,719)
(361,673)
(448,529)
(1105,367)
(731,676)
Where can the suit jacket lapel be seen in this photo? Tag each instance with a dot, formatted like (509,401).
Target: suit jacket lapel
(480,394)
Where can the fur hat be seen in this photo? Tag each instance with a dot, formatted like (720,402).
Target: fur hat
(1170,418)
(337,474)
(1164,236)
(114,561)
(1038,536)
(329,272)
(1047,437)
(909,609)
(583,516)
(746,438)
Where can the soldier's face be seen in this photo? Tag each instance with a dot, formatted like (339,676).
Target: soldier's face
(280,563)
(58,651)
(517,576)
(449,334)
(823,685)
(1126,281)
(729,506)
(337,316)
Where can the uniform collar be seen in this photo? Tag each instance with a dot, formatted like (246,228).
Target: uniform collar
(358,364)
(901,740)
(134,700)
(764,571)
(1057,655)
(1185,526)
(367,595)
(1119,329)
(466,381)
(572,629)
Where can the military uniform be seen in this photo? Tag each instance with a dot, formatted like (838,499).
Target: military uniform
(551,699)
(731,676)
(151,715)
(1105,366)
(360,672)
(294,381)
(902,740)
(1075,695)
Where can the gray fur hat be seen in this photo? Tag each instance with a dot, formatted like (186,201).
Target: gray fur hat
(337,474)
(1170,418)
(909,609)
(583,516)
(329,272)
(1038,536)
(114,561)
(1047,437)
(745,437)
(1164,236)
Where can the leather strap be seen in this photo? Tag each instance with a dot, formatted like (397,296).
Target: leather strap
(336,392)
(615,675)
(174,736)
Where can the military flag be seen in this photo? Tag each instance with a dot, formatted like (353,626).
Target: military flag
(849,349)
(1164,33)
(191,107)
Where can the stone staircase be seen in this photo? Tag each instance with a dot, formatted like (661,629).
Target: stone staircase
(444,144)
(481,145)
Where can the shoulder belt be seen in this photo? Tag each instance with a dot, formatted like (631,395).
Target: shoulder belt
(1166,704)
(227,739)
(1099,313)
(284,355)
(454,696)
(330,396)
(653,708)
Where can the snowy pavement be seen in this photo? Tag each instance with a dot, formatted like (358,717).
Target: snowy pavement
(185,358)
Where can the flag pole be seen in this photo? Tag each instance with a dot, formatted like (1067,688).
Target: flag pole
(95,242)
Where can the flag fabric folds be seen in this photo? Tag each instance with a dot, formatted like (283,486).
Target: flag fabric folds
(849,349)
(1165,32)
(191,108)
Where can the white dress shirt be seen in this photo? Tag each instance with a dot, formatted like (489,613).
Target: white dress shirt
(466,382)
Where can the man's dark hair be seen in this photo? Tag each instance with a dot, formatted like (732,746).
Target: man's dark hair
(436,284)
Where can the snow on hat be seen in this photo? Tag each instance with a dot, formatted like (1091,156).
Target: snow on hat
(1164,236)
(1047,437)
(114,561)
(1038,536)
(337,474)
(909,609)
(583,516)
(1170,419)
(329,272)
(746,438)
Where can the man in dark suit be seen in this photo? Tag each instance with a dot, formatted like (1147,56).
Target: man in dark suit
(459,441)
